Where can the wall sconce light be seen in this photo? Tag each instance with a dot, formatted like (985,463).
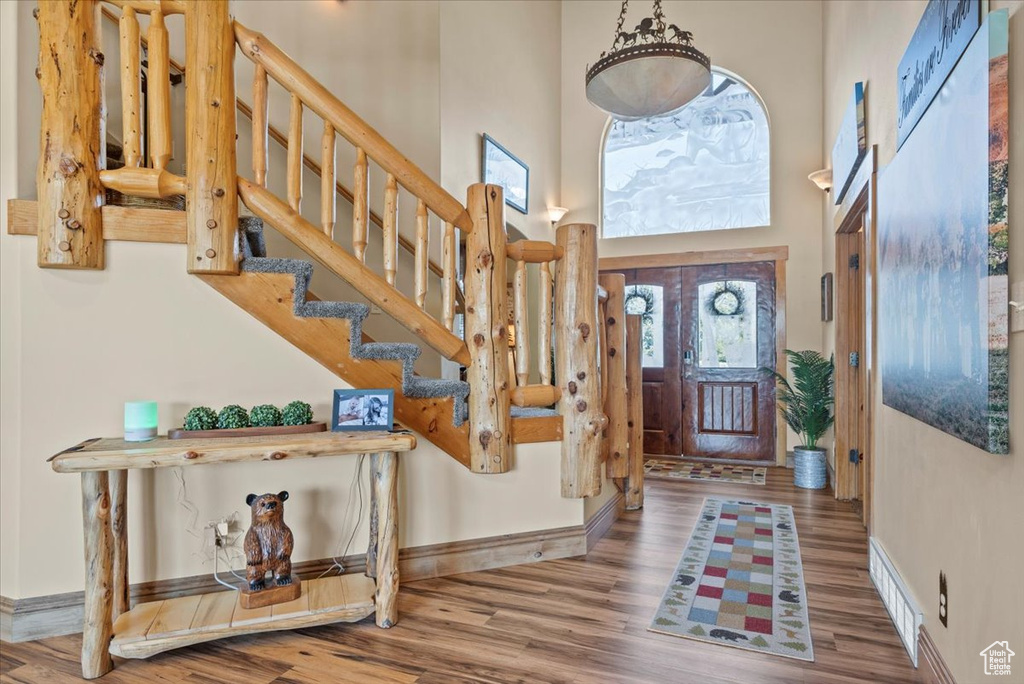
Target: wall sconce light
(823,179)
(555,214)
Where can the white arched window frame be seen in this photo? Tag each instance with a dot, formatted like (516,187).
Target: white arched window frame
(704,167)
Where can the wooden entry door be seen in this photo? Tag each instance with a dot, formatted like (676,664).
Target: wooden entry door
(704,393)
(661,362)
(727,338)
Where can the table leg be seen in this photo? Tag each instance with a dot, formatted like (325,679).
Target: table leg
(97,628)
(119,528)
(386,476)
(371,552)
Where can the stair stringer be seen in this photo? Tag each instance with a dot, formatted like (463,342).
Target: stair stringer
(268,297)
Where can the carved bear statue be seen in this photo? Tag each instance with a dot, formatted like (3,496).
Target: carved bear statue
(269,542)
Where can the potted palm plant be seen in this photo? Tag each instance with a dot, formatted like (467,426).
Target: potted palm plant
(806,405)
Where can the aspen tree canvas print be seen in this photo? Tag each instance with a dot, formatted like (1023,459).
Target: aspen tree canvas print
(943,254)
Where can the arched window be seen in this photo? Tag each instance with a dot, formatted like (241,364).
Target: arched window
(704,167)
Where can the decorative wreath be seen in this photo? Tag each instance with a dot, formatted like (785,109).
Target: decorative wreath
(640,301)
(728,301)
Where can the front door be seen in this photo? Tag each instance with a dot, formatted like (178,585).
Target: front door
(728,339)
(708,333)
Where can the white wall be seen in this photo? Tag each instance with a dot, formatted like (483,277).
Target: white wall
(939,504)
(78,344)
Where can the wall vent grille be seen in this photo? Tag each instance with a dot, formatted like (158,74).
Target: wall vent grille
(898,601)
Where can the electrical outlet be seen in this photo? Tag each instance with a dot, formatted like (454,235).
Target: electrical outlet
(210,536)
(943,600)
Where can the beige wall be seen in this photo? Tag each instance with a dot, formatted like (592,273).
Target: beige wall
(940,504)
(78,344)
(774,46)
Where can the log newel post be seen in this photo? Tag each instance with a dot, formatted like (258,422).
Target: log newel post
(634,482)
(99,592)
(615,446)
(211,198)
(72,140)
(385,473)
(490,421)
(576,364)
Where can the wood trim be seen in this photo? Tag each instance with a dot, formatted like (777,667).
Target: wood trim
(714,256)
(41,617)
(780,355)
(603,519)
(931,665)
(132,224)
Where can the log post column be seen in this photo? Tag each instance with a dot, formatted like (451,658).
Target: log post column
(119,531)
(386,475)
(373,549)
(615,447)
(211,200)
(490,420)
(634,482)
(576,366)
(98,624)
(72,140)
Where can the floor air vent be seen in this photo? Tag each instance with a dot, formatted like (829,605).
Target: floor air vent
(896,597)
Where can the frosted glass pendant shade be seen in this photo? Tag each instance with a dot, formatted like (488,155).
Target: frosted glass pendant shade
(648,81)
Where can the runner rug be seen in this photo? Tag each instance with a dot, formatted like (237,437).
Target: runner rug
(684,470)
(740,582)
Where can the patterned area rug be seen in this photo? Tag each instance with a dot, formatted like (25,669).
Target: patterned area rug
(740,582)
(684,470)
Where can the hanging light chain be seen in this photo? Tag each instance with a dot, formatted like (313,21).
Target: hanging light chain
(659,18)
(618,27)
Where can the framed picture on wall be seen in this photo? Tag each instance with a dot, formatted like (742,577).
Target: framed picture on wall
(503,168)
(363,410)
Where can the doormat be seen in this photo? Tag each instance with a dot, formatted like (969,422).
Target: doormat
(683,470)
(740,582)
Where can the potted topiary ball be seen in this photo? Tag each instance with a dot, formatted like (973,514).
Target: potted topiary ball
(297,413)
(265,415)
(201,418)
(232,417)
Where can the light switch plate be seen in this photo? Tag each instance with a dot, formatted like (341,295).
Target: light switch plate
(1017,313)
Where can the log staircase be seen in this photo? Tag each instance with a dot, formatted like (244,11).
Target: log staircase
(590,402)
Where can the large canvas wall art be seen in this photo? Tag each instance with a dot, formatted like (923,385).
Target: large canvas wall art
(943,254)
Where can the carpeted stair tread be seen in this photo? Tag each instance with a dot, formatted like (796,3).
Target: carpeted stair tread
(532,412)
(414,386)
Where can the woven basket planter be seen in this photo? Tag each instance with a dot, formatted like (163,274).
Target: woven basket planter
(809,468)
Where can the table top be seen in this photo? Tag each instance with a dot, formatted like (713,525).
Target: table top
(117,454)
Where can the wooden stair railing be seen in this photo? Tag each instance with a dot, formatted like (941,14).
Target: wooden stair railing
(365,280)
(580,319)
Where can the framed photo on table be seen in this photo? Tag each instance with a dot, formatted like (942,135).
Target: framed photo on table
(354,409)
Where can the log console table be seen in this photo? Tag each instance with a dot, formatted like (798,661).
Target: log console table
(111,626)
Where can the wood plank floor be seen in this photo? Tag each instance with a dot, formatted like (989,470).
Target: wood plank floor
(574,620)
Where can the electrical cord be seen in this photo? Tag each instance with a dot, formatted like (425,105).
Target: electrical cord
(357,485)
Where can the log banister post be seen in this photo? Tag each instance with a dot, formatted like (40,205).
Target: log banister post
(158,104)
(448,258)
(211,201)
(294,155)
(328,205)
(634,482)
(615,446)
(544,323)
(576,329)
(131,88)
(520,315)
(391,230)
(490,421)
(70,233)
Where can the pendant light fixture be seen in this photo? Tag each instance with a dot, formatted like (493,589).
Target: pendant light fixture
(647,73)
